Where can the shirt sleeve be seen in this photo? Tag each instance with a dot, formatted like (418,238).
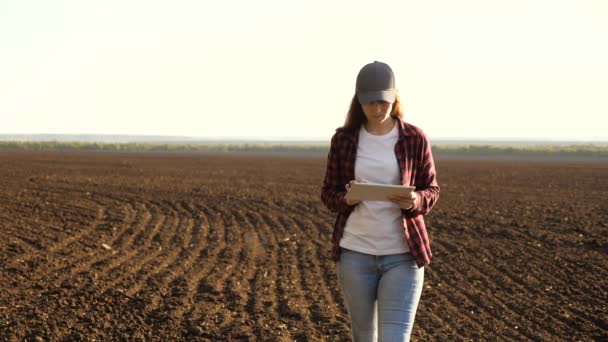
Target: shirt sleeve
(333,191)
(426,181)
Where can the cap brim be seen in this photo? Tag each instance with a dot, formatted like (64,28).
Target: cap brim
(378,95)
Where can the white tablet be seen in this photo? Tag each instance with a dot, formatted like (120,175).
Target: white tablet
(375,191)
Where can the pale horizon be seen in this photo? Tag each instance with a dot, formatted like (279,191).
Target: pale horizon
(119,138)
(525,70)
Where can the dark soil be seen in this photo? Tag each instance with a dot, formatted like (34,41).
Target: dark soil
(197,247)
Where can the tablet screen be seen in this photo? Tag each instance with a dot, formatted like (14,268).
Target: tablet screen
(375,191)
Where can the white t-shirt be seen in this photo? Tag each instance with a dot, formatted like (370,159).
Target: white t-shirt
(376,227)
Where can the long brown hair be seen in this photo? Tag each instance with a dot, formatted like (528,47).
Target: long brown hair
(355,116)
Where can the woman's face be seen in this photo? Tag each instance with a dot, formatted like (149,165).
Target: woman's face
(377,112)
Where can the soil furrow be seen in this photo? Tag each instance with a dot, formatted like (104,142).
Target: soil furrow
(204,297)
(157,281)
(171,276)
(196,245)
(226,265)
(455,274)
(237,247)
(121,271)
(320,304)
(323,262)
(100,256)
(266,305)
(292,304)
(121,247)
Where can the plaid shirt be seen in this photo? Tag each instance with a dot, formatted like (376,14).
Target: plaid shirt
(417,168)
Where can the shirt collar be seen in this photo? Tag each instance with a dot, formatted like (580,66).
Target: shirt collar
(405,130)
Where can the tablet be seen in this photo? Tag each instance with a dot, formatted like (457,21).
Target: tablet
(375,191)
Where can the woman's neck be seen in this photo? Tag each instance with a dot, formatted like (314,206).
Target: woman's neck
(381,128)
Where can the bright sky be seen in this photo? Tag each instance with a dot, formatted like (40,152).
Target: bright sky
(467,68)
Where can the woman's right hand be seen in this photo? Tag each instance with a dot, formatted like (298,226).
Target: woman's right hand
(348,201)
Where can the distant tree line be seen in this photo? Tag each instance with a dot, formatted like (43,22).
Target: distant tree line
(158,147)
(588,150)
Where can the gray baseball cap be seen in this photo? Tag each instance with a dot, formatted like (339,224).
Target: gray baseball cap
(376,82)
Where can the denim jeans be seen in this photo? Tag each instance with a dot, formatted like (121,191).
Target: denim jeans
(381,294)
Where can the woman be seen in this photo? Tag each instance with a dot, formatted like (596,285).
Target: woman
(381,247)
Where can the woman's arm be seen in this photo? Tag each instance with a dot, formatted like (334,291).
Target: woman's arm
(425,182)
(334,187)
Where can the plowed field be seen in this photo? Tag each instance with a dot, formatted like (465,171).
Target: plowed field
(215,247)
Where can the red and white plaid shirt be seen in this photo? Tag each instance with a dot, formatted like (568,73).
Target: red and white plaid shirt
(417,168)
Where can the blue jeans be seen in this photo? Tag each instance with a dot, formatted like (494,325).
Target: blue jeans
(381,294)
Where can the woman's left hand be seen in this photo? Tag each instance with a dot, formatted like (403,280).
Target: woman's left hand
(404,202)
